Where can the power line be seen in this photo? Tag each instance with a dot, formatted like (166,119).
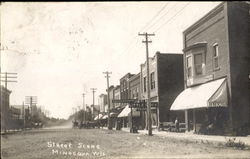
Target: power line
(172,17)
(154,16)
(133,44)
(7,76)
(135,39)
(164,15)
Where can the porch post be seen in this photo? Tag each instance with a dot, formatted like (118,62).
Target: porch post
(194,121)
(186,120)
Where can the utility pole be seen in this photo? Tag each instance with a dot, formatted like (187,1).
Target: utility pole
(24,116)
(83,102)
(93,91)
(107,76)
(83,107)
(148,87)
(31,100)
(7,76)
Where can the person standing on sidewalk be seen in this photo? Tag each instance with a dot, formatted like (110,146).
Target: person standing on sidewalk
(176,124)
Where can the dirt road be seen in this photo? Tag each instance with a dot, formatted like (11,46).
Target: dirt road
(99,143)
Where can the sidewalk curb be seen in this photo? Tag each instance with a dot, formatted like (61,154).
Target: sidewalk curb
(197,137)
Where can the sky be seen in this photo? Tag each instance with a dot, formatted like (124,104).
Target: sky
(60,50)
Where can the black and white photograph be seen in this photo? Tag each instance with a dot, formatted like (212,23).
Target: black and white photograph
(125,80)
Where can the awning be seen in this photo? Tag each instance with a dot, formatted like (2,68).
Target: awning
(126,112)
(211,94)
(112,114)
(105,117)
(100,116)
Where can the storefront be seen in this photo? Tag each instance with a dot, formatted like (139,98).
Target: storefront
(206,107)
(125,117)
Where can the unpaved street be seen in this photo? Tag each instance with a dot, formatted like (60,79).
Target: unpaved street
(100,143)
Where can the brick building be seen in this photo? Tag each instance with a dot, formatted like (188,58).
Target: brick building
(111,96)
(166,82)
(135,93)
(124,89)
(217,66)
(117,95)
(124,85)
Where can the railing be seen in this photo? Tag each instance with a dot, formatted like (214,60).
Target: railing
(170,126)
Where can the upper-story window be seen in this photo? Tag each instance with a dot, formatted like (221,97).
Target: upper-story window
(195,60)
(144,84)
(189,66)
(216,56)
(198,64)
(152,78)
(137,92)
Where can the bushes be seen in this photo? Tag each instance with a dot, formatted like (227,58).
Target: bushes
(232,143)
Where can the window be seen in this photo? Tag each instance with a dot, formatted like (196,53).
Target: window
(152,78)
(137,92)
(144,84)
(198,64)
(189,66)
(216,56)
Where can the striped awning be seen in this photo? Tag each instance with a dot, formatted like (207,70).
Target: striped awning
(211,94)
(126,112)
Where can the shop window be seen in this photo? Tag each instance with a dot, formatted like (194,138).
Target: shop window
(216,56)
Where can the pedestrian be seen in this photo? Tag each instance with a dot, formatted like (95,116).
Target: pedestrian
(177,124)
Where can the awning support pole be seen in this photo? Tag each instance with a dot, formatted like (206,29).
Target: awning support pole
(131,117)
(186,120)
(194,121)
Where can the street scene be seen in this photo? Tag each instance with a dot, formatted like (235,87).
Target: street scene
(125,80)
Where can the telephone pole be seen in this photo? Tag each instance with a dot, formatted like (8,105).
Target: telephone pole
(31,100)
(83,107)
(93,91)
(83,102)
(107,76)
(6,76)
(148,87)
(24,122)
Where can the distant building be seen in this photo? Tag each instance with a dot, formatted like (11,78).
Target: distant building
(5,106)
(124,88)
(117,95)
(134,87)
(102,102)
(23,109)
(217,67)
(124,85)
(135,93)
(95,110)
(15,113)
(166,82)
(111,96)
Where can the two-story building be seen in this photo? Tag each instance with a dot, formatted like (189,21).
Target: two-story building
(166,82)
(124,95)
(111,96)
(135,93)
(117,95)
(216,50)
(102,102)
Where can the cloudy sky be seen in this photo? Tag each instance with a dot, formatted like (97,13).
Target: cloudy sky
(60,50)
